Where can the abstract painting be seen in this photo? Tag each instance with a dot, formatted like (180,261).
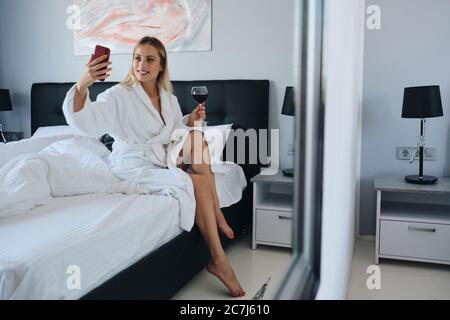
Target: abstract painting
(182,25)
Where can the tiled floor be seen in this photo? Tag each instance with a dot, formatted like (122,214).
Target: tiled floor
(403,280)
(253,268)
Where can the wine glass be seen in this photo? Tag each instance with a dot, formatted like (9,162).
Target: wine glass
(200,94)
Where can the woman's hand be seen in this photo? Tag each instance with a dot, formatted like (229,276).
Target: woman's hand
(198,114)
(93,72)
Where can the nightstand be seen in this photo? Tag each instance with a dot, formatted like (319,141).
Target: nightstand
(11,136)
(273,206)
(413,221)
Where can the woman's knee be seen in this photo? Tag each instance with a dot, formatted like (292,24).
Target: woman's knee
(193,148)
(199,153)
(197,139)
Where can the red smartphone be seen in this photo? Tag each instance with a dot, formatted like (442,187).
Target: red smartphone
(100,51)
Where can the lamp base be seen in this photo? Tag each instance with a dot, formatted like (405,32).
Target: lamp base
(421,180)
(288,172)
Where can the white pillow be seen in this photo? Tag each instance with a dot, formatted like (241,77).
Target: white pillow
(216,137)
(56,131)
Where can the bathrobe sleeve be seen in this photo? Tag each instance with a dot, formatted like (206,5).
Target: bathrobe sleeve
(182,121)
(96,118)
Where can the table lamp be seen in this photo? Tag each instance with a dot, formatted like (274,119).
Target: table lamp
(288,110)
(5,105)
(421,103)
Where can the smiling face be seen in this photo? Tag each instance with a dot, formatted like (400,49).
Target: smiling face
(149,65)
(146,63)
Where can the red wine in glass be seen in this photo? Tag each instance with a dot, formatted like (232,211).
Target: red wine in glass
(200,98)
(199,94)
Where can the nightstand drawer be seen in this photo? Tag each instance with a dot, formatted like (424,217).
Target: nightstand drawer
(274,226)
(416,240)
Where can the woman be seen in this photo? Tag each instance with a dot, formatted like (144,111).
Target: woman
(141,114)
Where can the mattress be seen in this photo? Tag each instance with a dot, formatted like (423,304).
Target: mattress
(68,247)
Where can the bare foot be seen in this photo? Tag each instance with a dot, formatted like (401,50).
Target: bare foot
(226,230)
(223,225)
(223,271)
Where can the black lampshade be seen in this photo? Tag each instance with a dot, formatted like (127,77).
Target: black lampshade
(288,104)
(5,100)
(422,102)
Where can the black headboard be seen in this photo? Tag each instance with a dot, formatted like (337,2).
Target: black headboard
(245,103)
(242,102)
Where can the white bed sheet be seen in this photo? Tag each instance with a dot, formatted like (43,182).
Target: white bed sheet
(101,234)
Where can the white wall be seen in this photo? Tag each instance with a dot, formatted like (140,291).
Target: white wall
(342,144)
(252,39)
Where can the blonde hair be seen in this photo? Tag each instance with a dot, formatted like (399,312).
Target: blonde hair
(163,79)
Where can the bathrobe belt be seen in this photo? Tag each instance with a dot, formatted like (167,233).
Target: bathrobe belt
(155,152)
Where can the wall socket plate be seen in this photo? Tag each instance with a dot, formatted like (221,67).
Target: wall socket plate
(405,153)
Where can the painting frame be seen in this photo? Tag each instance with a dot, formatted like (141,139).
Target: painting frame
(182,25)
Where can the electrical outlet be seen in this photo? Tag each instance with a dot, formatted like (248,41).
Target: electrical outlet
(405,153)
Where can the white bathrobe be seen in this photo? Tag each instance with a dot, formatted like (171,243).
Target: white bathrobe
(144,142)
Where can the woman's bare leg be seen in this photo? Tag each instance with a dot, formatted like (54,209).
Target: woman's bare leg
(205,219)
(221,221)
(197,154)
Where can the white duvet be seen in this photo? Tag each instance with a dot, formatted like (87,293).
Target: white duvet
(67,167)
(33,171)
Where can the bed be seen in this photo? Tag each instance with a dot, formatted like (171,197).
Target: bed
(114,240)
